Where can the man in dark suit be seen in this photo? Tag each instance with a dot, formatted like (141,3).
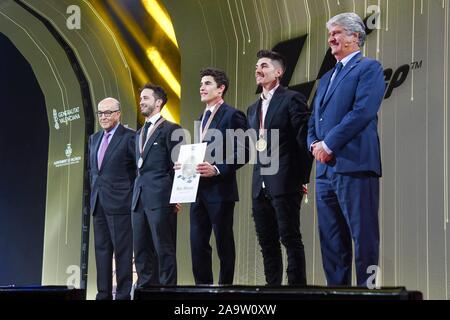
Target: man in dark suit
(112,171)
(217,191)
(154,218)
(277,195)
(344,140)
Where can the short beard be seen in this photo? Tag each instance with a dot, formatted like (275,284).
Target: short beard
(148,112)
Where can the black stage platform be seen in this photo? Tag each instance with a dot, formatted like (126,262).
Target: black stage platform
(41,293)
(215,293)
(283,293)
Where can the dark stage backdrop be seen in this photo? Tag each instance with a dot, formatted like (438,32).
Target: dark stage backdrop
(23,169)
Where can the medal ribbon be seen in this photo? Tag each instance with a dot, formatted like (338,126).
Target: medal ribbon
(149,134)
(261,122)
(203,132)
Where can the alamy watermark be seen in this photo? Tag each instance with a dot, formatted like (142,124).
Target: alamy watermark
(74,276)
(373,281)
(238,147)
(374,21)
(73,22)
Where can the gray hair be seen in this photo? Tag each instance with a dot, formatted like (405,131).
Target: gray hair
(114,101)
(352,23)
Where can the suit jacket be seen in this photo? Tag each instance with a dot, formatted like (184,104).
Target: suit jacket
(112,185)
(288,113)
(223,187)
(346,118)
(154,181)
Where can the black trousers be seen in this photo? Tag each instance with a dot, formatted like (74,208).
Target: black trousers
(205,218)
(113,234)
(277,219)
(155,239)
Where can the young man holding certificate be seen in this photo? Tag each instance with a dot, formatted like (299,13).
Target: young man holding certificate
(217,191)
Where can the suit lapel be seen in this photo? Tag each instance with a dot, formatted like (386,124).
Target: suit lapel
(217,117)
(324,82)
(137,144)
(345,71)
(255,114)
(273,106)
(115,140)
(152,139)
(197,129)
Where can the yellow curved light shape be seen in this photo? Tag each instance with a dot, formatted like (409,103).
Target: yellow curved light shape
(163,69)
(161,18)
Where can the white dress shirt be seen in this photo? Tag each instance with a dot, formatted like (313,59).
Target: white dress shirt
(266,98)
(265,101)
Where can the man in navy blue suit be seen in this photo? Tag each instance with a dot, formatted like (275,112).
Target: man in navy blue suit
(217,191)
(277,195)
(112,171)
(344,140)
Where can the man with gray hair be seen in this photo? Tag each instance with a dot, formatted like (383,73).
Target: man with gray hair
(343,137)
(112,171)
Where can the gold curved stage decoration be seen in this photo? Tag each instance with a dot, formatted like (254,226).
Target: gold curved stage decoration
(145,33)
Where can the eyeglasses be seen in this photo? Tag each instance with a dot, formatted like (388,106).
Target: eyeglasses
(107,114)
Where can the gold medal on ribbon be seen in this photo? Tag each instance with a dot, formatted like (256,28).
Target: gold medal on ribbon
(261,144)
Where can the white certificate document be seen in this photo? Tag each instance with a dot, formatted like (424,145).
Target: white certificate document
(185,182)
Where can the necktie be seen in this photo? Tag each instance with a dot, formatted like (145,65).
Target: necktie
(205,119)
(337,69)
(146,126)
(103,147)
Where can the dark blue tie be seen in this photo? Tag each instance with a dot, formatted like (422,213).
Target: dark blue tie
(337,69)
(146,126)
(205,119)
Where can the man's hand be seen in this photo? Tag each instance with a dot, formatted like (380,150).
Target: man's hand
(313,147)
(320,154)
(177,166)
(178,208)
(206,170)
